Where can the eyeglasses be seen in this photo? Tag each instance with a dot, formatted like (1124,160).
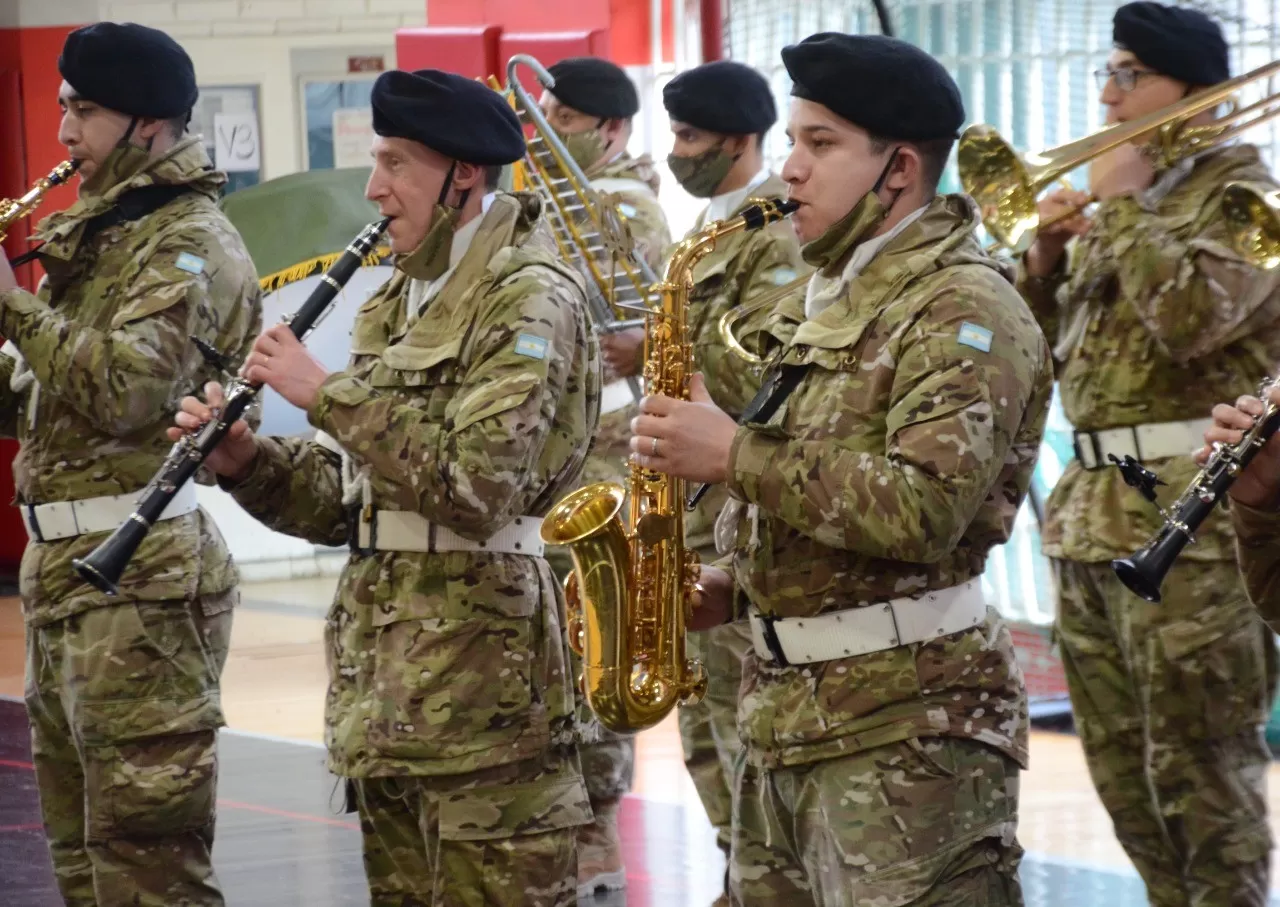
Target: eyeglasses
(1126,77)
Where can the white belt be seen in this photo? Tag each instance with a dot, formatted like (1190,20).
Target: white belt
(858,631)
(404,530)
(67,519)
(1142,442)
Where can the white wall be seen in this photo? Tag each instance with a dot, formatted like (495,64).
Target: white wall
(268,43)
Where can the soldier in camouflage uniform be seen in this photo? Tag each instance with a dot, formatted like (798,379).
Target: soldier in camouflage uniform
(123,692)
(1154,316)
(1255,502)
(464,413)
(883,711)
(591,108)
(720,113)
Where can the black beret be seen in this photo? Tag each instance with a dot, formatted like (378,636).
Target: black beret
(595,86)
(459,117)
(130,69)
(889,87)
(1183,44)
(724,96)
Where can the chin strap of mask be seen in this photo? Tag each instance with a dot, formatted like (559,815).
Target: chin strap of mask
(448,184)
(884,175)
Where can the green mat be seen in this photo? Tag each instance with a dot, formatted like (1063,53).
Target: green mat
(298,224)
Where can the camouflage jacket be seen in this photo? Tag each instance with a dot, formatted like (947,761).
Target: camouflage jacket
(898,462)
(741,269)
(107,341)
(474,413)
(1258,551)
(630,184)
(1155,318)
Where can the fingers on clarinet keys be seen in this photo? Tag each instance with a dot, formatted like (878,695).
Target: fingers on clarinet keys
(1137,476)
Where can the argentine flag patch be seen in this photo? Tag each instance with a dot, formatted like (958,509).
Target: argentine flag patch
(192,264)
(531,345)
(976,336)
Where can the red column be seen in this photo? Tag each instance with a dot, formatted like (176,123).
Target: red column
(29,149)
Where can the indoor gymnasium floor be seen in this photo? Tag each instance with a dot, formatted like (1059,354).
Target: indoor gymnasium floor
(282,842)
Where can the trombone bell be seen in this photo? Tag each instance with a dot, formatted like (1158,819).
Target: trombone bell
(995,177)
(1252,213)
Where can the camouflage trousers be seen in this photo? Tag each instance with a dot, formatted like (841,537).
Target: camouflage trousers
(1170,701)
(124,707)
(921,823)
(709,730)
(497,837)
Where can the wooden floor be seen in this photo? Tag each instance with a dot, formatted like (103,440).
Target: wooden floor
(273,690)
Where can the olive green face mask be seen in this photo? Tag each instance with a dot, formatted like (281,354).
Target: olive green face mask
(431,258)
(701,174)
(586,148)
(835,243)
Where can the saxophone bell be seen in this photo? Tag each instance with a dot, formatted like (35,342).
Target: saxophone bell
(633,585)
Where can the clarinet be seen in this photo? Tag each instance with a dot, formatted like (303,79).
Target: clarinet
(1144,570)
(103,568)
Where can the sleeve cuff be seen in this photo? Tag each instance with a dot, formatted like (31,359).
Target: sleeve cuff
(339,389)
(752,452)
(14,305)
(263,474)
(1255,526)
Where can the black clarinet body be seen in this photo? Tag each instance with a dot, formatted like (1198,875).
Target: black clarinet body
(1144,571)
(105,565)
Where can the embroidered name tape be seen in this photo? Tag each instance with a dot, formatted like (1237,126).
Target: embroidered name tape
(976,336)
(532,346)
(192,264)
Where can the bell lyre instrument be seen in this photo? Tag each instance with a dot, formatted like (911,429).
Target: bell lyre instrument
(631,592)
(105,565)
(1005,185)
(13,210)
(1252,213)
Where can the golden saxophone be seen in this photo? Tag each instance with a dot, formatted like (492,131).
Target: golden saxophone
(631,592)
(13,210)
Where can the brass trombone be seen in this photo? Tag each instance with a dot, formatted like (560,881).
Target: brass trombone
(1005,186)
(1252,213)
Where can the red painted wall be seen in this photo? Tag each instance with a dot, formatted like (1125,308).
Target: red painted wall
(29,149)
(627,21)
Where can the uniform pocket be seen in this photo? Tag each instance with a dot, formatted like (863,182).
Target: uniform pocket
(1216,667)
(456,683)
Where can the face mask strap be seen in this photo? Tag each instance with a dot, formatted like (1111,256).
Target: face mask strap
(884,175)
(448,184)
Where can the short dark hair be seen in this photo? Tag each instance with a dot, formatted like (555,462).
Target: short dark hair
(934,154)
(492,177)
(177,126)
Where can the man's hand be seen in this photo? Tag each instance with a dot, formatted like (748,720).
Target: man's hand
(282,363)
(235,453)
(1051,241)
(688,439)
(713,604)
(623,352)
(1120,171)
(1259,484)
(8,281)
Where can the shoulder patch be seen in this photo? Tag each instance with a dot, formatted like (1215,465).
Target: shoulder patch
(783,276)
(976,336)
(192,264)
(626,209)
(531,345)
